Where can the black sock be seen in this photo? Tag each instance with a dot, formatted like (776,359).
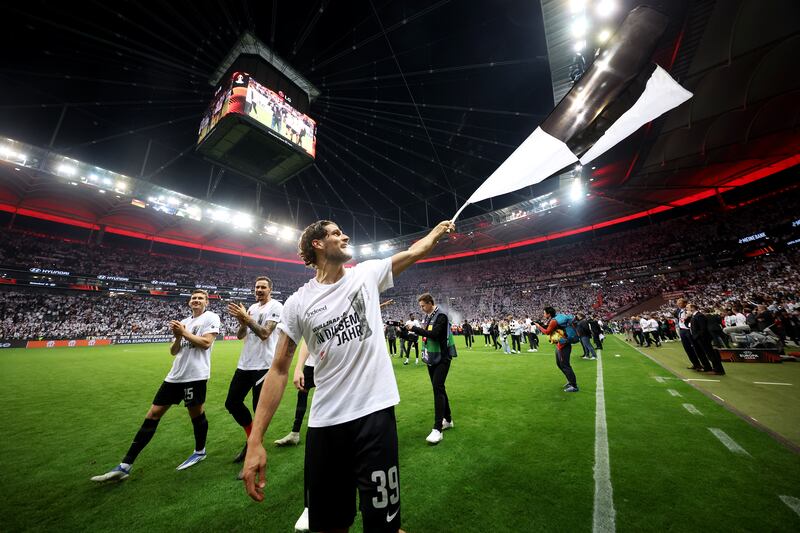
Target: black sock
(141,439)
(200,424)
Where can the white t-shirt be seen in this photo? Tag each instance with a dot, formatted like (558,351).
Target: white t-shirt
(193,363)
(342,325)
(257,354)
(485,326)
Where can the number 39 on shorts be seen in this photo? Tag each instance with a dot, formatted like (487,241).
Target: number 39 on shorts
(385,497)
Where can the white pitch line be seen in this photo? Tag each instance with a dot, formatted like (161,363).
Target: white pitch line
(770,383)
(604,518)
(728,442)
(792,502)
(698,379)
(717,397)
(659,379)
(673,392)
(692,409)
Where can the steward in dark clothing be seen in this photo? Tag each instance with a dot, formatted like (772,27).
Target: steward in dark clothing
(701,338)
(439,351)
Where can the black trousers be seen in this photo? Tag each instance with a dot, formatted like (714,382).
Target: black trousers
(392,345)
(696,356)
(562,360)
(533,340)
(494,340)
(704,345)
(638,336)
(242,382)
(516,343)
(468,339)
(302,398)
(441,404)
(407,344)
(486,338)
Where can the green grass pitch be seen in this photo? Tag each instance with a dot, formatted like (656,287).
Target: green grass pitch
(520,457)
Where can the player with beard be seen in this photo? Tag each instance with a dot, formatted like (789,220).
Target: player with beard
(256,325)
(351,443)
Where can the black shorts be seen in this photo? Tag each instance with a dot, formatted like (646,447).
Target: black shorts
(360,455)
(190,393)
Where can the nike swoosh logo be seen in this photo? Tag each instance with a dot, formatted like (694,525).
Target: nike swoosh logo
(390,517)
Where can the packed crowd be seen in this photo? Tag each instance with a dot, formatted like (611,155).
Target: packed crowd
(601,276)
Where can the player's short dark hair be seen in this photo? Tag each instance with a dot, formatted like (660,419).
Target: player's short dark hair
(550,311)
(201,291)
(425,297)
(265,278)
(312,233)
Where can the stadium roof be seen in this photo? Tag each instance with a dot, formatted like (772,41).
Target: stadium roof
(420,101)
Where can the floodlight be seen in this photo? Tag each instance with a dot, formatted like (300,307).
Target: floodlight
(242,221)
(579,27)
(605,8)
(66,170)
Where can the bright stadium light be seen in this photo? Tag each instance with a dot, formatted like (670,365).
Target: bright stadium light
(576,6)
(272,229)
(579,27)
(107,182)
(287,233)
(605,8)
(173,201)
(93,177)
(580,45)
(384,247)
(121,186)
(366,249)
(242,221)
(576,190)
(603,36)
(66,170)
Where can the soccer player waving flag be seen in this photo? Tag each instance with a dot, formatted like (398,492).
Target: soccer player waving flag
(351,443)
(620,92)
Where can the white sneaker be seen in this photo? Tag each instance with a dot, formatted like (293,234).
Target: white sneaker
(435,437)
(292,439)
(192,460)
(531,350)
(118,473)
(416,362)
(302,523)
(446,425)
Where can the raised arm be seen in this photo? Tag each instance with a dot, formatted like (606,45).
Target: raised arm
(271,393)
(421,248)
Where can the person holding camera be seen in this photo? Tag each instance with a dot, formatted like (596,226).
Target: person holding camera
(438,350)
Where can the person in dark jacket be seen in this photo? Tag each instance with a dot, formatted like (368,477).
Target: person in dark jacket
(597,334)
(466,330)
(438,345)
(701,338)
(584,332)
(715,326)
(494,331)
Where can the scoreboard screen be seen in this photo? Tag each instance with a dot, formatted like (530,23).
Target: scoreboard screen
(244,95)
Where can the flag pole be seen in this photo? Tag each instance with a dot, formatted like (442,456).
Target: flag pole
(460,209)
